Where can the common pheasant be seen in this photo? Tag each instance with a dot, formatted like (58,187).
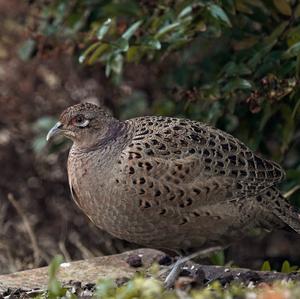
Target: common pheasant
(168,182)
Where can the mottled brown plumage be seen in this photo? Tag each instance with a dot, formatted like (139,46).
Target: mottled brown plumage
(168,182)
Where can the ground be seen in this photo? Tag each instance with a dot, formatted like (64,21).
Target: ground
(140,274)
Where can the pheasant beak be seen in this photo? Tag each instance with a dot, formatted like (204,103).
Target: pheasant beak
(55,130)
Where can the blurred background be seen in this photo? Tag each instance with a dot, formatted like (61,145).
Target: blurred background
(234,64)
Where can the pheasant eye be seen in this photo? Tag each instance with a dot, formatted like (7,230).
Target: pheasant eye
(80,121)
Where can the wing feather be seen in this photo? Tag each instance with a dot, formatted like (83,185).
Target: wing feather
(177,158)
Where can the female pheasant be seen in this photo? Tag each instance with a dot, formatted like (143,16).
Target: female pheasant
(168,182)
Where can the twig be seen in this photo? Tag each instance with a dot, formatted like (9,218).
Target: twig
(63,249)
(86,253)
(35,247)
(200,254)
(292,191)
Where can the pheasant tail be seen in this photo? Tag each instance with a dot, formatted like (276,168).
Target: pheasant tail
(289,214)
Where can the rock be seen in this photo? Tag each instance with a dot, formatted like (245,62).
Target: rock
(85,271)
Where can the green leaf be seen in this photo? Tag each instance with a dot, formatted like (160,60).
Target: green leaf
(266,266)
(55,288)
(114,64)
(106,288)
(293,35)
(166,29)
(261,54)
(104,28)
(54,266)
(285,268)
(237,83)
(90,49)
(122,44)
(98,53)
(218,258)
(232,69)
(186,11)
(276,32)
(133,54)
(117,64)
(283,7)
(218,13)
(294,50)
(131,30)
(152,43)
